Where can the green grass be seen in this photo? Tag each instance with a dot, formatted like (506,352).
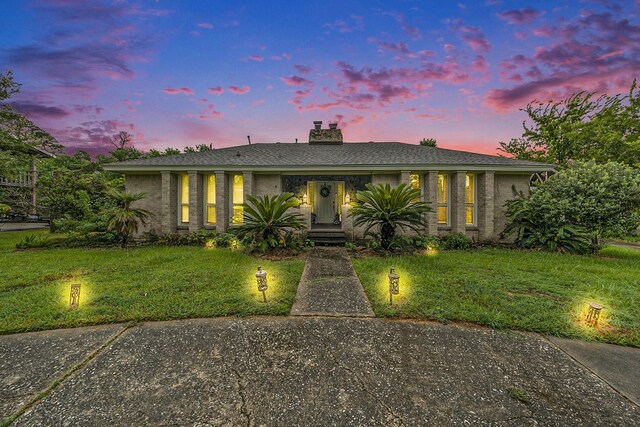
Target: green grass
(524,290)
(148,283)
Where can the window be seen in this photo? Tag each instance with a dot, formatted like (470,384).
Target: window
(237,199)
(184,199)
(470,200)
(210,202)
(443,199)
(414,180)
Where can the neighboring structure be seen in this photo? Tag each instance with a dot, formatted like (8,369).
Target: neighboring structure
(206,189)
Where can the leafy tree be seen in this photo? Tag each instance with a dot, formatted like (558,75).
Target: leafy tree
(123,218)
(389,208)
(603,199)
(582,127)
(430,142)
(267,224)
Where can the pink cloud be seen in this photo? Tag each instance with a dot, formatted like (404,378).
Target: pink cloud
(239,90)
(519,16)
(258,102)
(286,56)
(302,69)
(210,113)
(178,91)
(257,58)
(475,38)
(206,25)
(296,81)
(216,90)
(543,31)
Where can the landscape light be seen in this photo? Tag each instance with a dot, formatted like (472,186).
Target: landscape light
(394,284)
(74,297)
(594,313)
(261,279)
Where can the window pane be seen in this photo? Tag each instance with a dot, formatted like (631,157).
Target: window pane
(184,213)
(211,214)
(470,190)
(414,180)
(238,189)
(443,188)
(469,215)
(237,217)
(443,215)
(184,190)
(211,189)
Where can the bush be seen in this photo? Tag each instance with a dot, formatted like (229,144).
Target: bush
(456,241)
(427,242)
(34,241)
(223,240)
(198,238)
(350,246)
(4,209)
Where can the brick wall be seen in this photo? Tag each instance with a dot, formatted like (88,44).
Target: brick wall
(503,192)
(266,185)
(151,185)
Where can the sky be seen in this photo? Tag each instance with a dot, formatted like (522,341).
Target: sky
(182,73)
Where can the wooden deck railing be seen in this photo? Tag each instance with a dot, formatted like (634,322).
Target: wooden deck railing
(22,179)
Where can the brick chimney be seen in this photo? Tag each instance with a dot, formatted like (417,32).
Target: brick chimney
(331,136)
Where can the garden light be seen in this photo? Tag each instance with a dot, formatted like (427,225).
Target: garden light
(394,284)
(74,297)
(261,279)
(594,313)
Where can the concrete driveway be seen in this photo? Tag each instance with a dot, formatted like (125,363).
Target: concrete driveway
(300,371)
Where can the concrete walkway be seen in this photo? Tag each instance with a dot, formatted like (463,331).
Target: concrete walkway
(22,226)
(329,287)
(300,371)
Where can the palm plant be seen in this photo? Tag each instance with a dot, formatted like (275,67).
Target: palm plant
(124,219)
(267,224)
(389,208)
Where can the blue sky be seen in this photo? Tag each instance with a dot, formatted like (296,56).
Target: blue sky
(177,73)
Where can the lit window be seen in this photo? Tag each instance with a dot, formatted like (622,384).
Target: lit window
(210,202)
(237,199)
(414,180)
(443,199)
(184,199)
(470,200)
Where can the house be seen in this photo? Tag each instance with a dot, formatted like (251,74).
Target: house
(467,191)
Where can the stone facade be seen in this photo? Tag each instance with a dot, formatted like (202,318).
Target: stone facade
(493,189)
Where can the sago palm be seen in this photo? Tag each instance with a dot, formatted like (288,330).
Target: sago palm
(389,208)
(123,218)
(267,222)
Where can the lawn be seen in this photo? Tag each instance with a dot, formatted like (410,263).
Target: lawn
(524,290)
(147,283)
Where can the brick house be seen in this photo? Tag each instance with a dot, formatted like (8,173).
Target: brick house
(188,192)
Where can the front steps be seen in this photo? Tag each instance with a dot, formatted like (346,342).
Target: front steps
(327,237)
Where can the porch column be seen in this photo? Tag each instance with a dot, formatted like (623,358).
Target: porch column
(169,209)
(405,177)
(486,218)
(458,201)
(247,180)
(196,208)
(431,196)
(222,202)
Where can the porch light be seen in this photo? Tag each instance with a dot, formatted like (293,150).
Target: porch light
(594,313)
(261,280)
(304,199)
(394,284)
(347,198)
(74,297)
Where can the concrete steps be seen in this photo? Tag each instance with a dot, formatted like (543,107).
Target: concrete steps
(327,238)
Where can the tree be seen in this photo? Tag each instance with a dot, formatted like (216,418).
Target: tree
(431,142)
(389,208)
(123,218)
(267,223)
(603,199)
(582,127)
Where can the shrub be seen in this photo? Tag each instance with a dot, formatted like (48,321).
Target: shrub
(123,218)
(456,241)
(350,246)
(267,223)
(4,209)
(223,240)
(389,208)
(34,241)
(198,238)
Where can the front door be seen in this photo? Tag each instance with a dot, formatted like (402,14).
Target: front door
(325,202)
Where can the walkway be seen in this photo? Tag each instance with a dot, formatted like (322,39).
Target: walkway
(299,371)
(329,287)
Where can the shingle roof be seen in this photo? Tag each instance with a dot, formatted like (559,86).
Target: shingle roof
(353,154)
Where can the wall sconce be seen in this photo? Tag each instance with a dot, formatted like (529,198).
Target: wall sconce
(594,313)
(261,280)
(347,198)
(304,199)
(74,297)
(394,284)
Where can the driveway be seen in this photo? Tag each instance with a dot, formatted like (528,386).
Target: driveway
(309,371)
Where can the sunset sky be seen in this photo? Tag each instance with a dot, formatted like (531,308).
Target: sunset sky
(177,73)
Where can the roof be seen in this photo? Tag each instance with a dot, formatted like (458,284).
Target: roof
(347,156)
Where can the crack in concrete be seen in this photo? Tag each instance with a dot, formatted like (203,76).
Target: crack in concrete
(243,396)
